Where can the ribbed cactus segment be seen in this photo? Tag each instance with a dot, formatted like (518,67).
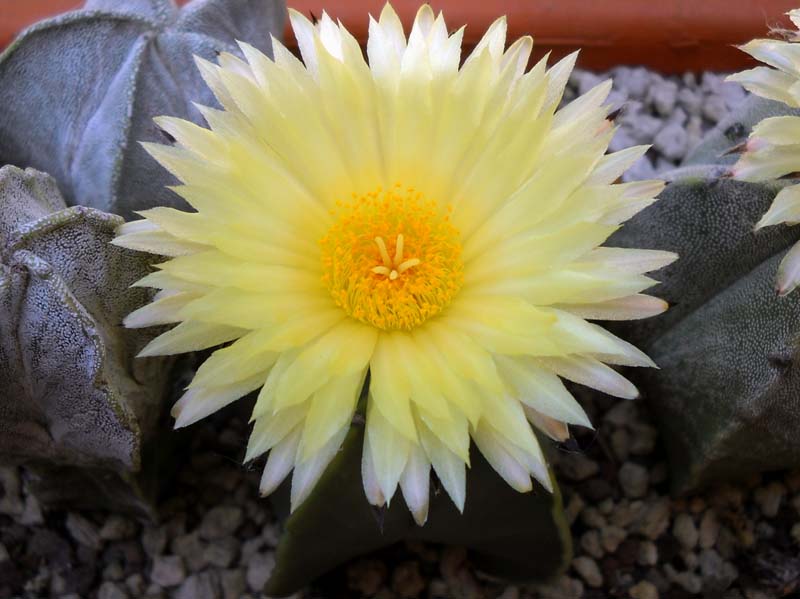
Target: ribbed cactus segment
(74,404)
(79,92)
(726,397)
(522,537)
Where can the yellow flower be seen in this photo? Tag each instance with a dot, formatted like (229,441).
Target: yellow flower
(429,228)
(773,149)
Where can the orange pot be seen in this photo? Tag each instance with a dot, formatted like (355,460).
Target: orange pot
(669,35)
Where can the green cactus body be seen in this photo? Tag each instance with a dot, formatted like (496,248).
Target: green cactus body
(516,536)
(79,92)
(726,397)
(76,408)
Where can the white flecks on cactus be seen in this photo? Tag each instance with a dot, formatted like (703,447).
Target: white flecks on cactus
(79,92)
(72,395)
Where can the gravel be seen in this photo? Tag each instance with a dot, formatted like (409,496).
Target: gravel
(216,539)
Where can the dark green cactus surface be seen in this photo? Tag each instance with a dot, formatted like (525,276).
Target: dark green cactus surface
(76,407)
(79,92)
(727,397)
(516,536)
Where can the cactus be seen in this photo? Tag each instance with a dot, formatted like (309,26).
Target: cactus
(516,536)
(80,91)
(726,395)
(76,408)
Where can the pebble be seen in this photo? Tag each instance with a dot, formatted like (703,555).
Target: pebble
(200,586)
(663,95)
(135,583)
(648,554)
(117,528)
(626,512)
(11,503)
(620,444)
(577,467)
(221,553)
(590,543)
(588,570)
(633,81)
(83,531)
(633,479)
(168,570)
(592,518)
(654,519)
(191,549)
(457,575)
(611,537)
(643,590)
(709,529)
(573,508)
(685,531)
(109,590)
(643,439)
(220,522)
(640,126)
(234,583)
(32,512)
(690,100)
(672,141)
(510,593)
(623,414)
(407,580)
(769,498)
(688,581)
(259,570)
(154,540)
(563,588)
(113,571)
(717,573)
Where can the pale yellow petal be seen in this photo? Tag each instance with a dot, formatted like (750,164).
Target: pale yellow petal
(450,468)
(541,390)
(343,351)
(785,208)
(163,310)
(198,403)
(767,83)
(331,407)
(390,450)
(789,271)
(190,336)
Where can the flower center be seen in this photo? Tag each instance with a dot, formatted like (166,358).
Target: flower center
(392,259)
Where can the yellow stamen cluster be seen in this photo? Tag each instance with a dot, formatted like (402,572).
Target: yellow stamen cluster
(392,259)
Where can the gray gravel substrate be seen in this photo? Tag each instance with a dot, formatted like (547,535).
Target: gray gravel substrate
(217,538)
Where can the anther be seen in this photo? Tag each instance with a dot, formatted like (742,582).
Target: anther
(398,253)
(408,264)
(384,254)
(393,268)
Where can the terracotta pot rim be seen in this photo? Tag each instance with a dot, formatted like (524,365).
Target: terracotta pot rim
(670,35)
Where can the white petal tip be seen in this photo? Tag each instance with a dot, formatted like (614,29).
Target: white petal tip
(420,516)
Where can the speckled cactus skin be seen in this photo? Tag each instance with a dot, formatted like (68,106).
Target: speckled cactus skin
(74,401)
(78,92)
(727,397)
